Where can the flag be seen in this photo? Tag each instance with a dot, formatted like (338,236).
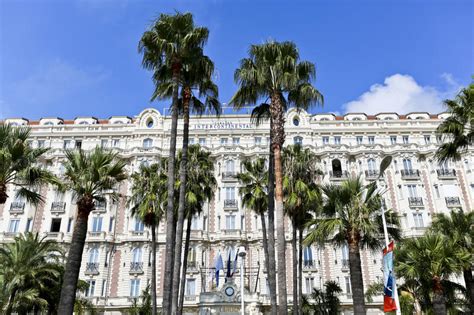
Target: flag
(228,275)
(389,304)
(235,262)
(219,265)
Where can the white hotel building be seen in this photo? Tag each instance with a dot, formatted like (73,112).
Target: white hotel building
(116,255)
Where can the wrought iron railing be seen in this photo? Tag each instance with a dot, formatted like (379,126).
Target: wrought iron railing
(444,172)
(58,207)
(136,267)
(17,207)
(230,203)
(92,268)
(338,174)
(415,201)
(410,173)
(453,201)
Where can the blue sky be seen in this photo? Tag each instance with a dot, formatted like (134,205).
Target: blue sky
(79,57)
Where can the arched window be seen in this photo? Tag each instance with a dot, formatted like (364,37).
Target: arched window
(137,255)
(94,255)
(150,123)
(147,143)
(298,140)
(336,168)
(48,123)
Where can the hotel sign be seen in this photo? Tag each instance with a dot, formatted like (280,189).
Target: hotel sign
(226,124)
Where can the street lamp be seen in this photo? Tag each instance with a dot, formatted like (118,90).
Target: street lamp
(242,254)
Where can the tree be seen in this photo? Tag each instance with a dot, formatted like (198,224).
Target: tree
(301,196)
(201,185)
(326,302)
(89,176)
(165,45)
(147,198)
(273,70)
(18,165)
(458,129)
(351,215)
(28,267)
(458,227)
(429,261)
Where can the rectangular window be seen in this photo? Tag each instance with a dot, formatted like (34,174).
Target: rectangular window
(427,139)
(258,140)
(139,226)
(134,287)
(436,189)
(41,144)
(91,289)
(104,143)
(230,222)
(202,141)
(190,287)
(309,282)
(405,139)
(67,144)
(348,285)
(97,224)
(393,139)
(191,141)
(359,139)
(115,143)
(235,141)
(223,141)
(78,144)
(371,139)
(111,224)
(55,225)
(69,225)
(13,226)
(194,222)
(337,140)
(418,218)
(104,285)
(325,140)
(230,193)
(412,191)
(28,224)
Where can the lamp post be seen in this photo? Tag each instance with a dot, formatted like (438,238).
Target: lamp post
(242,254)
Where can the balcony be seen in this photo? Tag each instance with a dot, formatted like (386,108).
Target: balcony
(230,204)
(309,265)
(58,207)
(415,201)
(345,265)
(92,268)
(446,173)
(190,298)
(192,266)
(234,233)
(453,202)
(100,206)
(229,176)
(17,207)
(136,268)
(410,174)
(338,175)
(371,174)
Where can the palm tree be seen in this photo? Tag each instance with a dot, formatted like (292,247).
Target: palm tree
(28,267)
(273,71)
(350,215)
(301,196)
(459,127)
(200,189)
(146,201)
(18,165)
(170,40)
(88,176)
(430,261)
(458,227)
(326,302)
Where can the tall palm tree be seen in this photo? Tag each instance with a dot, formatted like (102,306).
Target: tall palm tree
(146,201)
(18,165)
(458,227)
(325,302)
(88,176)
(350,215)
(430,261)
(200,189)
(458,129)
(28,266)
(170,40)
(301,196)
(273,71)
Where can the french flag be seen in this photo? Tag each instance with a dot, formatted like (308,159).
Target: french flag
(389,304)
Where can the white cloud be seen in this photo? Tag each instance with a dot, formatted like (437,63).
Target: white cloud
(402,94)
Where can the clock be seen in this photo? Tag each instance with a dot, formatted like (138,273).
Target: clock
(229,291)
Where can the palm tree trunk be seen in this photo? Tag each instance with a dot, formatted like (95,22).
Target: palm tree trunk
(357,282)
(469,281)
(265,241)
(300,269)
(10,302)
(170,226)
(3,193)
(439,302)
(295,271)
(185,267)
(74,259)
(153,268)
(181,203)
(271,228)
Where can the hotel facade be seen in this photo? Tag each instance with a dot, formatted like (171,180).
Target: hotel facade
(116,259)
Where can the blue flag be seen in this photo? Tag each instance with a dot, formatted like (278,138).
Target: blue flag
(219,265)
(228,275)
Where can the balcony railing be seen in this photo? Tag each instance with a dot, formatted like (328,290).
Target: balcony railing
(415,202)
(58,207)
(92,268)
(453,201)
(229,175)
(410,174)
(136,267)
(371,174)
(230,203)
(17,207)
(192,265)
(100,206)
(232,232)
(335,175)
(446,173)
(310,264)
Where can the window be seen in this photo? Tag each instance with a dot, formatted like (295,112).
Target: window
(359,139)
(107,257)
(229,166)
(147,143)
(235,141)
(83,123)
(41,144)
(345,256)
(337,140)
(325,140)
(309,284)
(78,144)
(393,139)
(296,121)
(439,139)
(412,191)
(137,255)
(150,123)
(348,285)
(371,165)
(104,143)
(104,285)
(258,140)
(427,139)
(111,224)
(96,224)
(223,141)
(69,225)
(28,224)
(202,141)
(230,193)
(298,140)
(194,222)
(436,189)
(308,256)
(371,139)
(407,164)
(134,287)
(67,144)
(418,218)
(91,288)
(400,192)
(55,225)
(405,139)
(115,143)
(230,222)
(13,226)
(190,287)
(93,255)
(191,141)
(139,226)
